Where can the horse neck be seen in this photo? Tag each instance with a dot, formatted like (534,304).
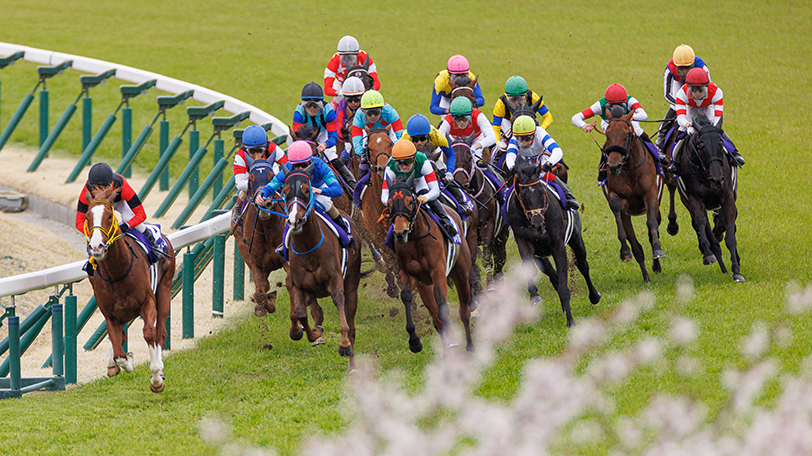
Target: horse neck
(310,235)
(422,227)
(117,260)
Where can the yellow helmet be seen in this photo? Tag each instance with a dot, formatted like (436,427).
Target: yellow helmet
(403,149)
(684,55)
(372,99)
(524,126)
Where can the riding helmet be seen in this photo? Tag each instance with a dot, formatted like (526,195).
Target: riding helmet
(697,77)
(457,64)
(684,55)
(461,106)
(100,174)
(524,126)
(372,99)
(312,91)
(353,86)
(616,93)
(348,45)
(300,152)
(515,85)
(403,149)
(254,136)
(417,125)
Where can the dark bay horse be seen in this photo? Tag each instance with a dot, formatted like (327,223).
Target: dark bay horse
(633,187)
(708,182)
(121,284)
(257,235)
(542,228)
(492,231)
(426,260)
(361,72)
(318,267)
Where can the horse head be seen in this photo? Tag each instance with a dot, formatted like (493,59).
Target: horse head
(259,173)
(299,197)
(379,147)
(619,140)
(707,144)
(531,195)
(465,159)
(402,207)
(522,110)
(361,72)
(306,132)
(101,225)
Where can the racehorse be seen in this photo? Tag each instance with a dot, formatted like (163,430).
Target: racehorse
(309,134)
(121,285)
(361,72)
(541,228)
(425,260)
(707,181)
(257,235)
(633,187)
(378,151)
(318,266)
(492,231)
(671,184)
(462,86)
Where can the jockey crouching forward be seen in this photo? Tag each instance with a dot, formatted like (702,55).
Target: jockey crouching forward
(457,69)
(313,111)
(323,182)
(431,142)
(406,162)
(683,61)
(374,114)
(705,99)
(349,55)
(516,95)
(617,102)
(464,120)
(255,146)
(530,140)
(353,89)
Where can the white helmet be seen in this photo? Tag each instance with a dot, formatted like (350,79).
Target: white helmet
(348,45)
(353,86)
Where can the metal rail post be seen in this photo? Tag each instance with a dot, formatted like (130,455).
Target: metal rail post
(45,73)
(188,295)
(57,341)
(239,274)
(8,61)
(165,103)
(196,113)
(70,337)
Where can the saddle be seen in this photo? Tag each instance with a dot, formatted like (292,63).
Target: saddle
(339,232)
(146,245)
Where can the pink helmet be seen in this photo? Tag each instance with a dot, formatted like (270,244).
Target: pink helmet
(300,152)
(457,64)
(616,93)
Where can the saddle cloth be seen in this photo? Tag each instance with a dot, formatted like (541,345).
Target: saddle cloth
(339,232)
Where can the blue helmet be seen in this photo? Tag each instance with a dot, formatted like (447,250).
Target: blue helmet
(417,125)
(254,136)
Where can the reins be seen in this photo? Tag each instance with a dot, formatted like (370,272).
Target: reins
(532,212)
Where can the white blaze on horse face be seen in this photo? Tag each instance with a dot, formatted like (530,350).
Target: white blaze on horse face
(96,242)
(379,139)
(292,215)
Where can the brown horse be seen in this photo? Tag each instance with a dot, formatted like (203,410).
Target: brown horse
(633,187)
(492,231)
(307,133)
(318,267)
(424,262)
(379,149)
(121,284)
(257,235)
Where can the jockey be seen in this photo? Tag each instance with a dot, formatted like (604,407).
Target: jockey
(126,203)
(374,113)
(429,141)
(312,110)
(463,120)
(456,69)
(704,99)
(406,161)
(682,62)
(530,140)
(322,181)
(617,102)
(349,55)
(255,146)
(517,94)
(353,89)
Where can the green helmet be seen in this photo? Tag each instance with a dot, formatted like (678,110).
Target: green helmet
(461,106)
(516,85)
(524,126)
(372,99)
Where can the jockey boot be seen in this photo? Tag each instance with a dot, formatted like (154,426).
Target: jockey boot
(490,167)
(571,203)
(340,222)
(602,169)
(236,211)
(737,157)
(448,224)
(152,240)
(465,203)
(344,172)
(363,170)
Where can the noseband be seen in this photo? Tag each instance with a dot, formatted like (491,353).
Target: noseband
(530,213)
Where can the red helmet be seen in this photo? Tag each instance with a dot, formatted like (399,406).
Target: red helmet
(616,93)
(697,78)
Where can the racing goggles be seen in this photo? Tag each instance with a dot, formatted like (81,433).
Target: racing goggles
(310,104)
(517,100)
(528,138)
(462,118)
(406,162)
(353,99)
(420,138)
(372,112)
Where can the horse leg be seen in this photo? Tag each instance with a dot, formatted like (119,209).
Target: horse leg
(350,308)
(406,297)
(616,207)
(115,331)
(314,334)
(336,289)
(729,214)
(547,268)
(149,314)
(262,305)
(699,220)
(579,249)
(500,253)
(528,255)
(317,313)
(560,257)
(464,292)
(439,315)
(637,249)
(391,283)
(296,300)
(653,219)
(673,226)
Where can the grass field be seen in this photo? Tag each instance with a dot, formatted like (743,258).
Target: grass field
(757,53)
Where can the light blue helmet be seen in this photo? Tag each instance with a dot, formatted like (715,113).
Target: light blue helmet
(417,125)
(254,136)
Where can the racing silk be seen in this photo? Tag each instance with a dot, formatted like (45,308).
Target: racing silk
(672,83)
(126,203)
(479,124)
(503,110)
(441,93)
(599,109)
(325,121)
(336,73)
(342,117)
(711,106)
(243,162)
(388,116)
(321,177)
(437,139)
(426,180)
(543,145)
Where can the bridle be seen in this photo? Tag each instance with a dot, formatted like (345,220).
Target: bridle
(296,189)
(704,162)
(113,234)
(373,165)
(624,151)
(530,213)
(469,175)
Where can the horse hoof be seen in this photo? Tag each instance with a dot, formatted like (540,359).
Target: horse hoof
(738,278)
(259,311)
(475,313)
(113,371)
(319,341)
(157,389)
(570,323)
(595,298)
(416,347)
(392,292)
(294,335)
(659,254)
(708,260)
(625,256)
(535,300)
(673,229)
(453,345)
(345,351)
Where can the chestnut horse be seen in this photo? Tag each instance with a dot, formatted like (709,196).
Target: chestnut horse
(315,267)
(708,182)
(257,236)
(540,227)
(424,262)
(633,187)
(121,284)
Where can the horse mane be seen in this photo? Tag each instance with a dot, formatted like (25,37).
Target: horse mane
(103,193)
(305,132)
(615,111)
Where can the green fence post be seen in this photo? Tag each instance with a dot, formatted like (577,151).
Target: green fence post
(14,350)
(188,295)
(163,144)
(184,177)
(196,113)
(166,102)
(25,341)
(126,136)
(43,114)
(8,61)
(70,338)
(163,163)
(239,274)
(57,341)
(218,276)
(217,203)
(219,148)
(15,119)
(87,120)
(94,144)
